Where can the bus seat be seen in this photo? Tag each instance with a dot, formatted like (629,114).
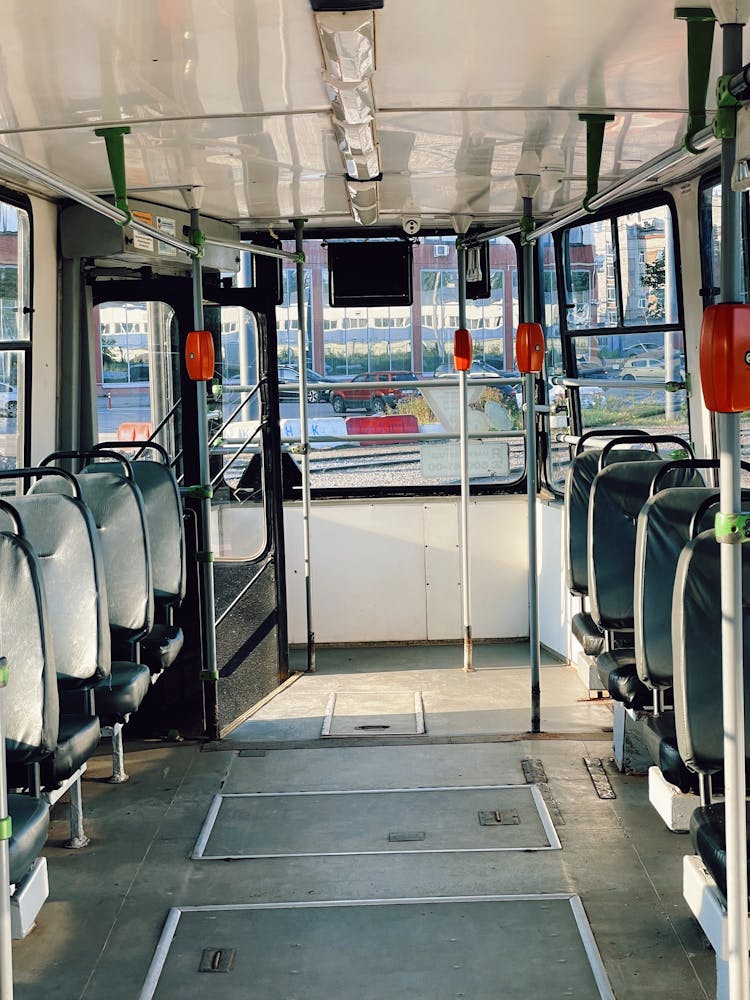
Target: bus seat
(580,478)
(663,529)
(696,637)
(618,493)
(28,871)
(45,754)
(163,511)
(63,534)
(118,513)
(696,640)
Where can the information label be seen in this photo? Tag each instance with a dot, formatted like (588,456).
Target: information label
(442,460)
(140,240)
(166,225)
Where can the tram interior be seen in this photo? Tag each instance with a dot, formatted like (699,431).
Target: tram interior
(373,410)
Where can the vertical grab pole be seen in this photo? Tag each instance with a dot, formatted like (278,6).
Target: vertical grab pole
(731,579)
(531,477)
(465,484)
(6,953)
(304,437)
(205,555)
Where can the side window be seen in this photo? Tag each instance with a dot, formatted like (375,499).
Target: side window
(15,331)
(620,334)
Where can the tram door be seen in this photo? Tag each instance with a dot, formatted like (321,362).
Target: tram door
(141,326)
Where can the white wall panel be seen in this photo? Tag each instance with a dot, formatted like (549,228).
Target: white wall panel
(390,570)
(554,600)
(368,572)
(44,355)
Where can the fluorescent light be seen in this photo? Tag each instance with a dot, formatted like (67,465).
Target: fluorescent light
(363,199)
(348,42)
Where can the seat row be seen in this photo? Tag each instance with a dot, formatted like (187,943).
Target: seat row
(642,556)
(92,569)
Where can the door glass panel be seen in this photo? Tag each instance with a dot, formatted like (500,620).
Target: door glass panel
(136,369)
(238,520)
(12,412)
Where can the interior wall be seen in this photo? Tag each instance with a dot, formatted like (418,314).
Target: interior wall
(390,570)
(44,330)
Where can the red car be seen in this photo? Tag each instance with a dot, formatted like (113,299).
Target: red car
(375,395)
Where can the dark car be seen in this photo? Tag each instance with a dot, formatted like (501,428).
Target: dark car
(289,385)
(375,395)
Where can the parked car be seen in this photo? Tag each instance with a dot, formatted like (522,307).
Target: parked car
(480,369)
(643,347)
(646,367)
(289,384)
(375,395)
(8,399)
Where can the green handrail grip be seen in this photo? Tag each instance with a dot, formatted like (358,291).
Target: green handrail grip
(732,528)
(4,672)
(113,140)
(725,123)
(6,828)
(204,556)
(678,454)
(595,125)
(197,238)
(527,227)
(199,492)
(209,675)
(300,258)
(700,40)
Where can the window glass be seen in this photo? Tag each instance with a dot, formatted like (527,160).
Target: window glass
(632,372)
(15,332)
(649,291)
(590,274)
(357,356)
(136,368)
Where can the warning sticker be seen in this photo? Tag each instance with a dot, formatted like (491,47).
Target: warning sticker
(140,240)
(166,225)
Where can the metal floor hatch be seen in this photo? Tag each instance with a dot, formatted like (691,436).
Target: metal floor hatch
(374,713)
(481,947)
(376,821)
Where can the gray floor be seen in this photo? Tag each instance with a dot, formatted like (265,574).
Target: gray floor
(98,933)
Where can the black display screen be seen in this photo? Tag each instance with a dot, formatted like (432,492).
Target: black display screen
(377,273)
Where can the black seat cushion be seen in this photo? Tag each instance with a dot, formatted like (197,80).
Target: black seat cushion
(617,671)
(119,695)
(30,824)
(588,633)
(161,647)
(708,833)
(77,739)
(660,736)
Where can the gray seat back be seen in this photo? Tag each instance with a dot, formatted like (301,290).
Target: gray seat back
(63,535)
(163,508)
(618,493)
(581,474)
(30,703)
(662,531)
(696,641)
(117,508)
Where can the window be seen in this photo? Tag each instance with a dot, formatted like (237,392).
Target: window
(15,331)
(621,325)
(357,356)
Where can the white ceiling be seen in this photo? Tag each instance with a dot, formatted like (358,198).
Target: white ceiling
(228,94)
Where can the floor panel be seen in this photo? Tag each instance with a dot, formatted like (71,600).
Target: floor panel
(442,949)
(303,824)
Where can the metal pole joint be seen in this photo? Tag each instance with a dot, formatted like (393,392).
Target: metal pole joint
(725,123)
(732,528)
(197,239)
